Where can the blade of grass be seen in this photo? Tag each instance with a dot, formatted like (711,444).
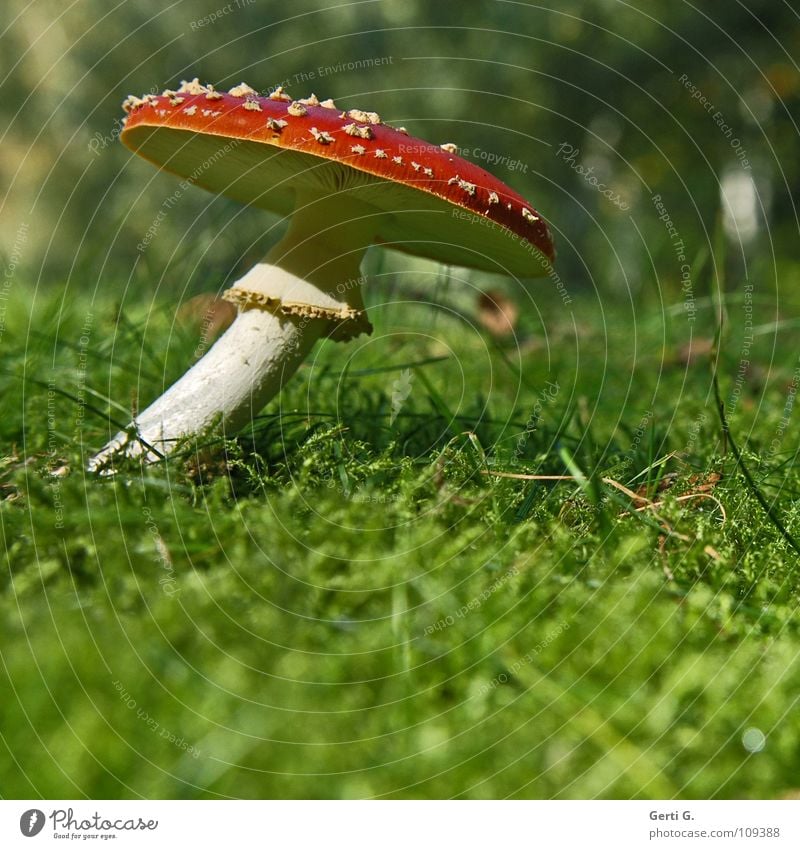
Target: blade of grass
(727,435)
(75,400)
(768,508)
(438,403)
(381,369)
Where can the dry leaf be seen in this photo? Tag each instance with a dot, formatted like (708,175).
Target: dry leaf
(497,313)
(208,315)
(698,349)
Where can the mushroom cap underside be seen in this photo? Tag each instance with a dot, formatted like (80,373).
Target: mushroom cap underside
(427,200)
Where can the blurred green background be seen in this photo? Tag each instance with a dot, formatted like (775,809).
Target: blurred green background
(613,656)
(511,79)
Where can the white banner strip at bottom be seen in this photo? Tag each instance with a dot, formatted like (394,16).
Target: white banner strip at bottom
(402,824)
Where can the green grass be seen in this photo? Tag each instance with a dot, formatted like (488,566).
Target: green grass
(339,604)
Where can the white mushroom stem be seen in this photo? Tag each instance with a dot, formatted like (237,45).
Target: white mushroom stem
(246,367)
(285,304)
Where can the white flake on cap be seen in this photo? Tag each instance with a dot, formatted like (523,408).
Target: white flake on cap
(132,102)
(355,130)
(192,87)
(312,100)
(241,90)
(280,94)
(321,136)
(297,109)
(364,117)
(529,216)
(276,124)
(469,188)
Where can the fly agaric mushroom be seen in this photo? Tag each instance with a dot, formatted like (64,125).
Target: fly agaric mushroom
(345,180)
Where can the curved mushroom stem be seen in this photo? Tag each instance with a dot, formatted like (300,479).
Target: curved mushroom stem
(285,305)
(246,367)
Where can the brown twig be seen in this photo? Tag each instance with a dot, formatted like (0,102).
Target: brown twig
(648,503)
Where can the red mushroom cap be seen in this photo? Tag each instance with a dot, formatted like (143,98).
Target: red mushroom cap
(261,150)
